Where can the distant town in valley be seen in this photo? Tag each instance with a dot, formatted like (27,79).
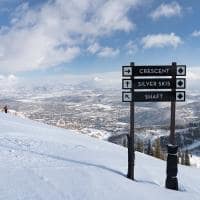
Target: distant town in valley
(101,114)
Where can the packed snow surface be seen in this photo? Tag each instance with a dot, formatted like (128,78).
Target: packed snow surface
(40,162)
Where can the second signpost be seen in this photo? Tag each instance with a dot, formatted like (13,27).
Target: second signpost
(143,84)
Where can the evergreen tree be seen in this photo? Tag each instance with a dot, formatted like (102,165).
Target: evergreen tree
(140,146)
(182,159)
(137,145)
(162,155)
(187,158)
(157,152)
(149,148)
(124,143)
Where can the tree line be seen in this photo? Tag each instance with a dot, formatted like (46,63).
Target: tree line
(154,149)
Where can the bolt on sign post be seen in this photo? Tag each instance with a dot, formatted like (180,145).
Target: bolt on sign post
(137,88)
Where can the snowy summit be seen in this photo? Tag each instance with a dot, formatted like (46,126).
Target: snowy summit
(48,163)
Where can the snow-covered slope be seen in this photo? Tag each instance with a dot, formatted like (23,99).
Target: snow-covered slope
(47,163)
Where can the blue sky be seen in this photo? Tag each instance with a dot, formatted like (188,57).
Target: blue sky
(39,37)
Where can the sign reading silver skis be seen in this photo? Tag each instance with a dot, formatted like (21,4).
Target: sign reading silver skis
(152,83)
(147,70)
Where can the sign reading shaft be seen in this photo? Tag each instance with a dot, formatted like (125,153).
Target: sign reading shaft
(153,96)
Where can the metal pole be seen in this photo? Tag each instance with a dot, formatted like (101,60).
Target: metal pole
(131,148)
(172,148)
(172,139)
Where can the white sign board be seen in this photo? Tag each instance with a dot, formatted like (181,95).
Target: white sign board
(181,70)
(180,96)
(126,96)
(127,71)
(126,84)
(180,83)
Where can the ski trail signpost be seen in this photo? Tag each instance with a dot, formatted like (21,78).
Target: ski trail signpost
(157,83)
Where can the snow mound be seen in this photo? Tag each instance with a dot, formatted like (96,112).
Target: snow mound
(43,162)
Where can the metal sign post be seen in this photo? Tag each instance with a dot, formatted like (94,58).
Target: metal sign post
(131,139)
(146,89)
(173,108)
(172,148)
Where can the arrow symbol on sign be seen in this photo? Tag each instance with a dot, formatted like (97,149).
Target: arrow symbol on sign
(126,96)
(127,84)
(180,83)
(180,70)
(180,96)
(128,71)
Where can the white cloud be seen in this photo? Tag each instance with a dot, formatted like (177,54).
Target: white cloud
(161,40)
(57,31)
(102,80)
(196,33)
(193,79)
(8,82)
(166,10)
(193,73)
(12,78)
(94,48)
(100,51)
(131,48)
(108,52)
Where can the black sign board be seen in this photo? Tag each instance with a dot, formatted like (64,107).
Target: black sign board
(163,83)
(153,96)
(153,70)
(152,83)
